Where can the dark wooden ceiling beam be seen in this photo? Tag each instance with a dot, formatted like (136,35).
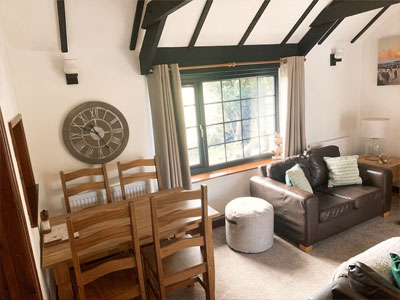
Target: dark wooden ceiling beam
(299,21)
(136,24)
(337,10)
(149,46)
(312,37)
(199,56)
(380,13)
(157,10)
(330,30)
(254,22)
(62,25)
(345,8)
(200,23)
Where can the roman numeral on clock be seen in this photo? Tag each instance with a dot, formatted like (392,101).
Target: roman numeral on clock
(89,152)
(115,140)
(94,113)
(79,146)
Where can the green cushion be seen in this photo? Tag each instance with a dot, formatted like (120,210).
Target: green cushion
(296,177)
(343,170)
(396,268)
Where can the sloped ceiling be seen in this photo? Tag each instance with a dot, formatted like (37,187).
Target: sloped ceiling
(228,20)
(33,25)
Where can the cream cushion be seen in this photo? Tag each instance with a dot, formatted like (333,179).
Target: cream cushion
(296,177)
(249,224)
(343,170)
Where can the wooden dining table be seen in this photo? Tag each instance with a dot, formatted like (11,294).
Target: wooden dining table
(58,256)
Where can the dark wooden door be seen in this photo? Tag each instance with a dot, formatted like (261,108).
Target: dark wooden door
(17,261)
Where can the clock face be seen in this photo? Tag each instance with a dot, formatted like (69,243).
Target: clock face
(95,132)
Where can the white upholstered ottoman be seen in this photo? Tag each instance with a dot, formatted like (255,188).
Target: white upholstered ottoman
(249,224)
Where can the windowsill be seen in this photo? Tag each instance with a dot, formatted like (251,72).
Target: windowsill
(232,170)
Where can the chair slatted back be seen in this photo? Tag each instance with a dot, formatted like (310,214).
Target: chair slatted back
(113,225)
(127,179)
(189,207)
(74,189)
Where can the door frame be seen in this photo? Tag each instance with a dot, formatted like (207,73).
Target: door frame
(15,245)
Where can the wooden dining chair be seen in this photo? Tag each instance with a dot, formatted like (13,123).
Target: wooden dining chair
(77,188)
(120,276)
(177,262)
(129,178)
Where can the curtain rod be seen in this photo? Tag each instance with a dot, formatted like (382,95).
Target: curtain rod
(232,64)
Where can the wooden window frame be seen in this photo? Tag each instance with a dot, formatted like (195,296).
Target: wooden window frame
(195,80)
(30,188)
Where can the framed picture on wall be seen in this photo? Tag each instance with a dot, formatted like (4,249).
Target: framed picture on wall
(389,61)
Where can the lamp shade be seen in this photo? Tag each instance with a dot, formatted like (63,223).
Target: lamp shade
(374,128)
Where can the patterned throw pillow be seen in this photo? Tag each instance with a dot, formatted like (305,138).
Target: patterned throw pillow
(343,170)
(296,177)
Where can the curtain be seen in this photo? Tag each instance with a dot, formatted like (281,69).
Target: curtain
(169,126)
(292,100)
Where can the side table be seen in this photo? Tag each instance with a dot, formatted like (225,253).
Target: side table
(393,164)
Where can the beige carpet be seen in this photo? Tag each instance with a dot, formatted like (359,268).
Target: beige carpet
(285,272)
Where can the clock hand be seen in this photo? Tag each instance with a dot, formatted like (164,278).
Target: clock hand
(96,133)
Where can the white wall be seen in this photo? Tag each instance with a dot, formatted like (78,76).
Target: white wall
(381,101)
(333,93)
(109,75)
(9,109)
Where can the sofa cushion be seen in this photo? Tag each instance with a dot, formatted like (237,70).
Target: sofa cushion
(295,177)
(331,207)
(343,170)
(370,284)
(360,195)
(318,169)
(277,170)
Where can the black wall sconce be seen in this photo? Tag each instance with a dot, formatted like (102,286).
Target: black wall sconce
(71,70)
(336,56)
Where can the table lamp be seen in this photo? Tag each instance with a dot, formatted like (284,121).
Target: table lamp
(374,129)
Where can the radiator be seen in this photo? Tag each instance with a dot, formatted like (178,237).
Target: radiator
(88,199)
(344,144)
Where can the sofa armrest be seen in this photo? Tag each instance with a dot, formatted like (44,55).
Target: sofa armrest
(379,177)
(296,212)
(339,289)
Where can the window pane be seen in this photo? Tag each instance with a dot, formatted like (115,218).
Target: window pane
(213,113)
(248,87)
(250,128)
(190,116)
(233,131)
(215,134)
(249,109)
(232,111)
(230,89)
(267,143)
(188,95)
(266,86)
(234,151)
(194,156)
(267,106)
(212,91)
(216,155)
(192,138)
(251,147)
(267,125)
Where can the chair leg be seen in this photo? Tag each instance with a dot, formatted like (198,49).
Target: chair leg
(206,281)
(163,294)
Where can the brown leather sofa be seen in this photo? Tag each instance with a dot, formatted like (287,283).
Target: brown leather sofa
(306,218)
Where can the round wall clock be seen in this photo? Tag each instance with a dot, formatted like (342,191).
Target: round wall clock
(95,132)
